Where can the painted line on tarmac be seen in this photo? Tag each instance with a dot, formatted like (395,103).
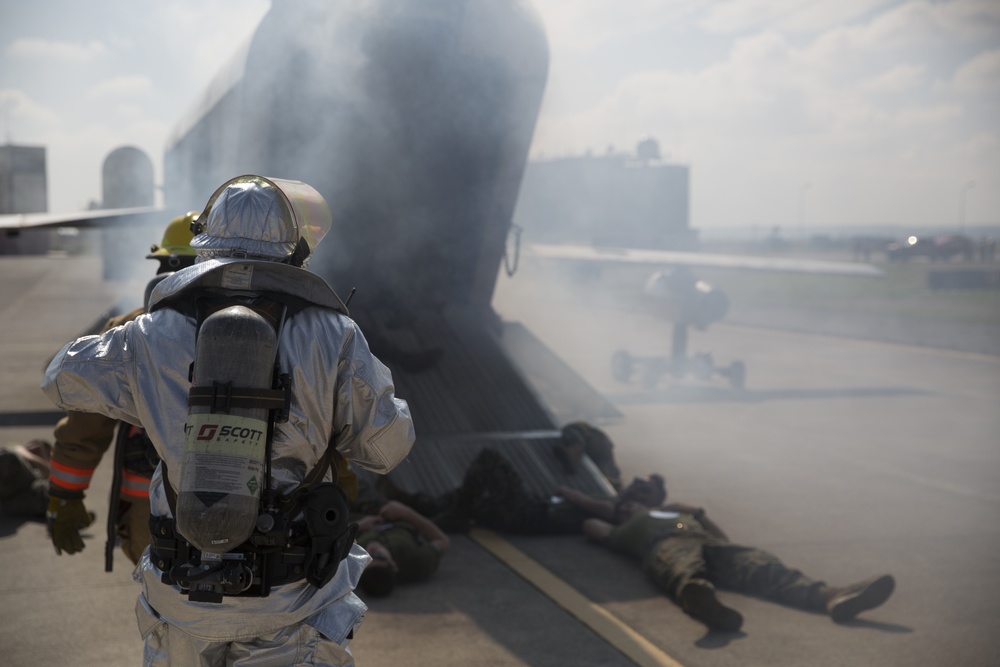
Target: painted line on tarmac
(636,647)
(30,418)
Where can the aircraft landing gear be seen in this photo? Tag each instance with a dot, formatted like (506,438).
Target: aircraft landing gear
(701,365)
(737,374)
(622,366)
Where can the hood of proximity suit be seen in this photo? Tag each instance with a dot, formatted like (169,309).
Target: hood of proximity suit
(249,275)
(253,217)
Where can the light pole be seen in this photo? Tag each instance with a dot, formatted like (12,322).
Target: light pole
(961,205)
(802,209)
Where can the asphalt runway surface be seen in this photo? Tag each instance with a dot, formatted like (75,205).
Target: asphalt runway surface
(847,458)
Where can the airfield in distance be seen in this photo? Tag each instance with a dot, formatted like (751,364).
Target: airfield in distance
(844,455)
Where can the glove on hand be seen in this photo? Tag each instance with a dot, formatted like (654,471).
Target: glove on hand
(66,518)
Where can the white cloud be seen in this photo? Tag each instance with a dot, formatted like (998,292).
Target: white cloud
(979,148)
(877,102)
(899,79)
(25,120)
(740,16)
(917,30)
(583,25)
(980,75)
(212,31)
(888,99)
(918,119)
(121,88)
(54,50)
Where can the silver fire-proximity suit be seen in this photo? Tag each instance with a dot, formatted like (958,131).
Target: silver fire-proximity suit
(341,394)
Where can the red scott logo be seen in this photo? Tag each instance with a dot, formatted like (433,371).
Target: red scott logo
(226,433)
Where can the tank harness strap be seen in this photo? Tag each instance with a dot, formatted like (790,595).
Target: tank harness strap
(329,458)
(222,397)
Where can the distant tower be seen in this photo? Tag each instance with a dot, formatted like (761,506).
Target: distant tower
(127,181)
(648,149)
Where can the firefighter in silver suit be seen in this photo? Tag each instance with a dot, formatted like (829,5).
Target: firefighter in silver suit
(255,237)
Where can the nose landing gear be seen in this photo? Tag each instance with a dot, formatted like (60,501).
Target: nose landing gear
(651,369)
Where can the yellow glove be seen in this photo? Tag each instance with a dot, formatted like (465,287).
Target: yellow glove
(66,518)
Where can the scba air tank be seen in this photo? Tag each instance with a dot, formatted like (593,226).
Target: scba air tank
(223,468)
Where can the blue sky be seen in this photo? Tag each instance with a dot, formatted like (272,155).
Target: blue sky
(859,111)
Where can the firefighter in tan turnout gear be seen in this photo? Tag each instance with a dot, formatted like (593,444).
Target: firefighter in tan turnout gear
(284,594)
(82,439)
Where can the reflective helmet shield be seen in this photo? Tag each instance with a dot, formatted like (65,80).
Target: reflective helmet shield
(310,210)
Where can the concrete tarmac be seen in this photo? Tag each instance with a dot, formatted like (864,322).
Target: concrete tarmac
(845,458)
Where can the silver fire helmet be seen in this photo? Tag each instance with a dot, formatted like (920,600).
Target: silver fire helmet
(262,218)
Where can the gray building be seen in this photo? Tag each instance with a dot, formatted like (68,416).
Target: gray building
(614,200)
(23,189)
(23,185)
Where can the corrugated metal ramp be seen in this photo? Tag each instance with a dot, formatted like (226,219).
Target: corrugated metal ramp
(465,393)
(437,465)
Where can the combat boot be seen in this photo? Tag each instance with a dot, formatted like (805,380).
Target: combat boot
(846,602)
(698,600)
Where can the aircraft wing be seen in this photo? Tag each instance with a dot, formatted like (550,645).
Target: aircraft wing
(699,259)
(95,218)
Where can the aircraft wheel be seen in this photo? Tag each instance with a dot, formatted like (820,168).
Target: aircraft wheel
(737,375)
(701,366)
(622,366)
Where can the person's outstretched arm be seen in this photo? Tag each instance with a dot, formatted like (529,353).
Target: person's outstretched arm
(397,511)
(597,529)
(602,509)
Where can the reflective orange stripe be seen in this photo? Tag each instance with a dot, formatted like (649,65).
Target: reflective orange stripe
(71,479)
(133,485)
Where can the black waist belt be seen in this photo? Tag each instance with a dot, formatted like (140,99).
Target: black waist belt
(270,566)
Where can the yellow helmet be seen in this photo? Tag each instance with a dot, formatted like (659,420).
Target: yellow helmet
(175,251)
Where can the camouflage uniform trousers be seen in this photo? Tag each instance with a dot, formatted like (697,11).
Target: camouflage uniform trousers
(676,560)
